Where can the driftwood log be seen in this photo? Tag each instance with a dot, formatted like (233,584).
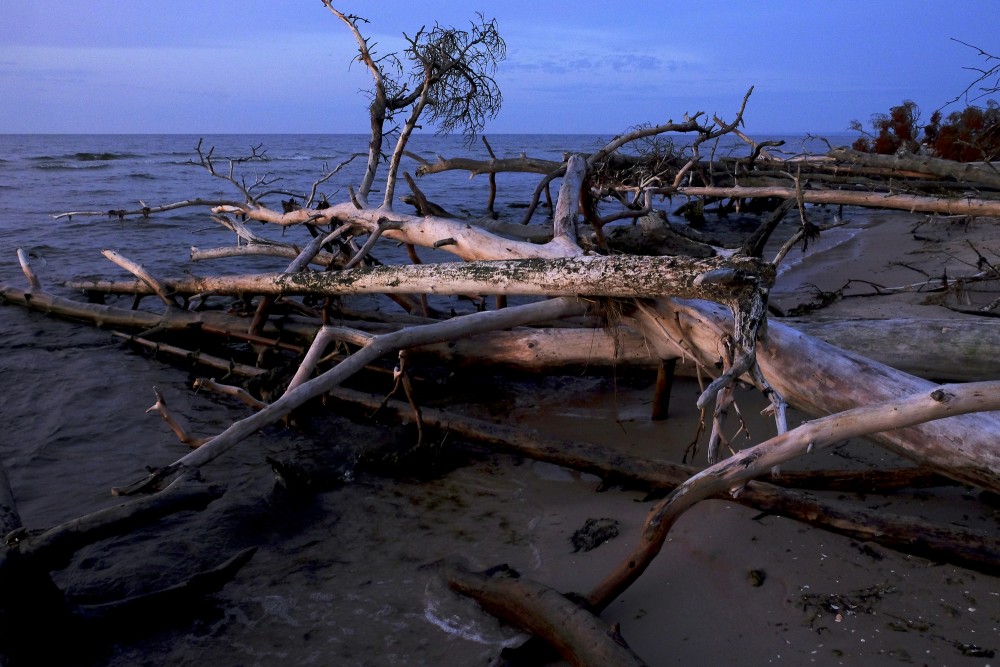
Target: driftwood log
(956,349)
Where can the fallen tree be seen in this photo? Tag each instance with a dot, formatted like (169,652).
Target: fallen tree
(574,292)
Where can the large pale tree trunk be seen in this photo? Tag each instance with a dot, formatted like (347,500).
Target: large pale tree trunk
(956,350)
(821,379)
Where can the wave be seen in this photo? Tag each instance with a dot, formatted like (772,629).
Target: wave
(62,166)
(828,240)
(95,157)
(85,157)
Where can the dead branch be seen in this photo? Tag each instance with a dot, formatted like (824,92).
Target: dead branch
(378,346)
(54,546)
(194,356)
(142,274)
(523,164)
(160,407)
(29,273)
(228,390)
(146,211)
(286,252)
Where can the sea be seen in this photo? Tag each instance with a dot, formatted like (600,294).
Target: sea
(74,400)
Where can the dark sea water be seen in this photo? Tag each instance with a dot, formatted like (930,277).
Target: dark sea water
(73,419)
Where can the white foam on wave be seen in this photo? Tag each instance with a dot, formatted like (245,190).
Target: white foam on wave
(468,629)
(827,241)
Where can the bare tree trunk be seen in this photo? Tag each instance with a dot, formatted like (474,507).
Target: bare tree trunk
(955,349)
(963,172)
(821,379)
(959,349)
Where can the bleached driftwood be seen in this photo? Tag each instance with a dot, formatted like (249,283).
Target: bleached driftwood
(623,276)
(821,379)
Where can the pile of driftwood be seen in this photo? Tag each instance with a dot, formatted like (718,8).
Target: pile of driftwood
(607,261)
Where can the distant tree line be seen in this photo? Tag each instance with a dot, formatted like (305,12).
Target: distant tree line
(969,135)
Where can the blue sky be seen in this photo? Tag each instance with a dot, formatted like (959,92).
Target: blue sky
(212,66)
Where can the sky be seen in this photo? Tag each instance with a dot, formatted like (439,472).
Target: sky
(251,66)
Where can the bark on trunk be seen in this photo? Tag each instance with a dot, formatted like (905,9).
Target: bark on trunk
(626,276)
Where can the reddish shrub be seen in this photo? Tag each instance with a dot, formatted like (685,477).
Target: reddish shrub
(970,135)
